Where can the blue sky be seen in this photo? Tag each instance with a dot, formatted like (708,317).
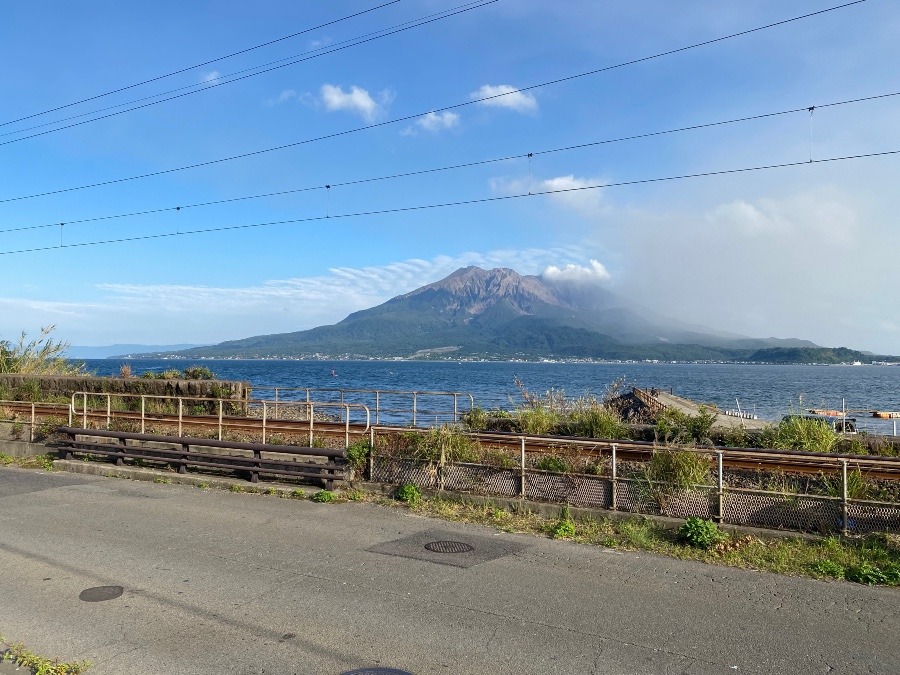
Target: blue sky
(808,251)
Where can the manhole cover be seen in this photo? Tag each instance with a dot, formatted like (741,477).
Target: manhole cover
(101,593)
(449,547)
(377,671)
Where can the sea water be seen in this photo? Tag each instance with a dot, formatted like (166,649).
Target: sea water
(768,391)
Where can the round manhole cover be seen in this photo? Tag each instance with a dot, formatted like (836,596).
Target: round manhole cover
(377,671)
(101,593)
(449,547)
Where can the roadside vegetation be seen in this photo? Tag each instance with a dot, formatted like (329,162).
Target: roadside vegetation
(22,657)
(40,356)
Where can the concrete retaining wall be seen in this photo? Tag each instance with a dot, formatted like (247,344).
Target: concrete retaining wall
(23,387)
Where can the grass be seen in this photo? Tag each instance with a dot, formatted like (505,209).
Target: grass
(874,559)
(28,462)
(18,654)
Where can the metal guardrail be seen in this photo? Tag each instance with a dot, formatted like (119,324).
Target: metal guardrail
(384,402)
(79,409)
(184,454)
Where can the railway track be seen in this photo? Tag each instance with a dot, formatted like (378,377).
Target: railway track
(757,459)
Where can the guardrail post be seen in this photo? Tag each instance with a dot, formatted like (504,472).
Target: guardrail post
(347,427)
(844,504)
(371,453)
(522,467)
(143,413)
(614,490)
(84,413)
(182,467)
(221,407)
(721,485)
(108,411)
(180,415)
(120,460)
(455,410)
(440,471)
(310,412)
(378,406)
(264,423)
(31,426)
(276,403)
(414,409)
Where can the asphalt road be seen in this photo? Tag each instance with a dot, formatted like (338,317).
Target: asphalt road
(214,582)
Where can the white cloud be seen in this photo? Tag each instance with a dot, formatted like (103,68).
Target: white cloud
(433,122)
(594,271)
(211,76)
(505,96)
(568,191)
(285,96)
(356,100)
(437,121)
(213,314)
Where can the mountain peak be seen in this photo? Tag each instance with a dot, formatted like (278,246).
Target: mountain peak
(472,290)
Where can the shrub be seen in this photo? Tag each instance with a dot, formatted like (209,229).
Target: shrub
(198,373)
(358,456)
(537,421)
(701,533)
(865,573)
(564,526)
(409,494)
(592,420)
(680,469)
(40,356)
(828,568)
(676,427)
(552,463)
(804,433)
(323,496)
(475,419)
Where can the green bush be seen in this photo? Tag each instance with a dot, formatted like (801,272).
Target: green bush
(679,469)
(828,568)
(553,463)
(475,419)
(865,573)
(675,427)
(198,373)
(323,496)
(409,494)
(358,456)
(564,527)
(803,433)
(595,421)
(537,421)
(701,533)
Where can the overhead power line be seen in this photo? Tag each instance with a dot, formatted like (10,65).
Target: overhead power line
(237,76)
(200,65)
(452,167)
(463,202)
(407,118)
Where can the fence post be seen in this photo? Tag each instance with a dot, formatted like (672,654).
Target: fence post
(31,426)
(310,412)
(455,410)
(377,404)
(844,504)
(143,413)
(441,464)
(414,409)
(347,427)
(84,412)
(108,411)
(615,489)
(721,482)
(180,416)
(522,468)
(276,403)
(221,406)
(264,423)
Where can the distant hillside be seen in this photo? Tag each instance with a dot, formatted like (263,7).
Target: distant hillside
(499,314)
(121,351)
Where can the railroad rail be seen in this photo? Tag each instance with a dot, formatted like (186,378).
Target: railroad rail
(267,427)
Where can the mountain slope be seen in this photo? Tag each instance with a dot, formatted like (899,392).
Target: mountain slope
(501,314)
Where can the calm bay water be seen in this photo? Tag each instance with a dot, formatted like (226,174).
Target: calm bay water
(769,391)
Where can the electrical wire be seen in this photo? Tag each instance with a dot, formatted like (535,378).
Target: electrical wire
(406,118)
(452,167)
(199,65)
(237,76)
(464,202)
